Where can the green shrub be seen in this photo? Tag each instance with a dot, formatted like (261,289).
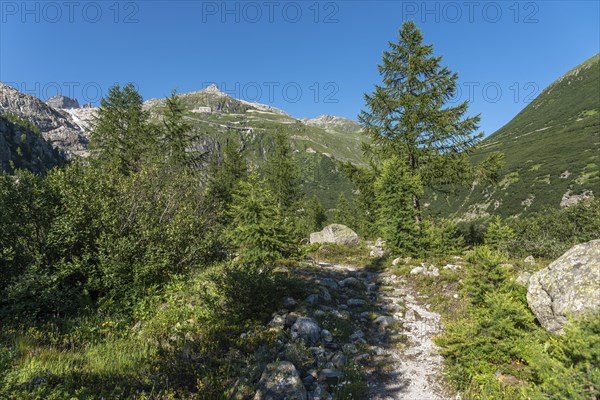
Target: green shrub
(551,232)
(499,236)
(440,238)
(566,366)
(494,349)
(486,274)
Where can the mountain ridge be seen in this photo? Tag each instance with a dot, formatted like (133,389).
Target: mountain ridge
(216,117)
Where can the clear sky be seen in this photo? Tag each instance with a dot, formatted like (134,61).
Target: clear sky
(306,57)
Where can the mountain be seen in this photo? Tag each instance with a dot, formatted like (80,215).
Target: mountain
(56,127)
(215,117)
(318,143)
(552,150)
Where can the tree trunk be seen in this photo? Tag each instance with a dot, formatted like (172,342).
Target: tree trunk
(417,209)
(412,162)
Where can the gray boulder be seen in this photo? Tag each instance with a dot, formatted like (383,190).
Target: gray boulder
(570,285)
(529,260)
(351,282)
(280,381)
(356,302)
(335,233)
(330,376)
(328,282)
(524,278)
(307,330)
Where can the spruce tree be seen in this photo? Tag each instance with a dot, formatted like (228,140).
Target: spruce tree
(315,215)
(362,212)
(410,115)
(499,236)
(120,134)
(343,213)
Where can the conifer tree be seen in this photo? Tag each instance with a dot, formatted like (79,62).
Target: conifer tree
(224,178)
(258,232)
(283,175)
(410,115)
(177,136)
(499,235)
(394,190)
(343,213)
(362,211)
(315,215)
(120,134)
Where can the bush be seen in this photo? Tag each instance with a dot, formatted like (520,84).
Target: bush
(565,366)
(553,231)
(486,274)
(80,237)
(440,238)
(495,349)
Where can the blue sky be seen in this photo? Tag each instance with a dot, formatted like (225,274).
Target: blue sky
(305,57)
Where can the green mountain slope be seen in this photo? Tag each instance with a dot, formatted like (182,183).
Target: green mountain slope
(318,143)
(551,149)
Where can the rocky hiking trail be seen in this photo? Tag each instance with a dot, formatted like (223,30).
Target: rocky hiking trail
(357,316)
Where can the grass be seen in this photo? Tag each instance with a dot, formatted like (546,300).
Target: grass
(354,385)
(338,254)
(185,346)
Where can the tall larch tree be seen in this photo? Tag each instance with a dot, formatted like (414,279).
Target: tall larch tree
(411,115)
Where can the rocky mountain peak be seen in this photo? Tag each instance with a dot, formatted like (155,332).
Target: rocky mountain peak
(63,102)
(214,89)
(56,126)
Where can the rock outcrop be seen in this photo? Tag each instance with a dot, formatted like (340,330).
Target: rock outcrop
(569,199)
(62,102)
(568,286)
(56,127)
(335,233)
(280,381)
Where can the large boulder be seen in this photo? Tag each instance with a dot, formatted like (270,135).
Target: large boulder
(570,285)
(280,381)
(335,233)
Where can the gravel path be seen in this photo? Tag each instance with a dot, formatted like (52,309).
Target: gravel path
(407,365)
